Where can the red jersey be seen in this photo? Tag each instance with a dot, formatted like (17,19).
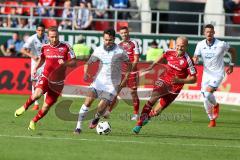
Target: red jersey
(54,56)
(131,47)
(179,67)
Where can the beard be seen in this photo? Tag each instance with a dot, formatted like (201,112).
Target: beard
(109,47)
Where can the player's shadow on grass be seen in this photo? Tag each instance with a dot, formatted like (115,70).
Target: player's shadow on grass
(63,112)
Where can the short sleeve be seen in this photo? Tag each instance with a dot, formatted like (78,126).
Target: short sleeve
(197,50)
(28,43)
(71,53)
(136,47)
(226,46)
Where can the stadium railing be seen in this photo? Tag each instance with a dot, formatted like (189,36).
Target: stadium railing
(136,22)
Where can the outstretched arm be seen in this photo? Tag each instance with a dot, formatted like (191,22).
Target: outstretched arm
(188,80)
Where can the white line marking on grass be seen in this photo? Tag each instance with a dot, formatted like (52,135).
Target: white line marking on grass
(121,141)
(201,105)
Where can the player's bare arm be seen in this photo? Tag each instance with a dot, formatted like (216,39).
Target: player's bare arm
(135,62)
(28,53)
(71,63)
(39,63)
(123,82)
(188,80)
(233,53)
(159,60)
(195,59)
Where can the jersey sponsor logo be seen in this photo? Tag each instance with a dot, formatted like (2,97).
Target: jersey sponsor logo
(54,56)
(174,66)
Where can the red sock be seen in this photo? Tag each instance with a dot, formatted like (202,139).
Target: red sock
(28,102)
(39,115)
(145,111)
(136,105)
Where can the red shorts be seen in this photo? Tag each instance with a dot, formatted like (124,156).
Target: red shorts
(52,90)
(168,92)
(167,99)
(132,81)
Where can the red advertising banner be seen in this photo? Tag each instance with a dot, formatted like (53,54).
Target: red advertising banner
(15,77)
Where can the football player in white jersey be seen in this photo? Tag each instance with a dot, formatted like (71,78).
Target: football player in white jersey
(32,48)
(212,51)
(108,79)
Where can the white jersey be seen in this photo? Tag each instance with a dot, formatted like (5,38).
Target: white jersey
(109,74)
(213,56)
(34,44)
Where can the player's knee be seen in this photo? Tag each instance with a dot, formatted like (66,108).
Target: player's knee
(207,95)
(36,96)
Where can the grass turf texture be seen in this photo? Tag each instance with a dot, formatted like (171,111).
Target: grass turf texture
(181,132)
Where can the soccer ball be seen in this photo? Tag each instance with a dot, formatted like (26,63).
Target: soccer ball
(103,127)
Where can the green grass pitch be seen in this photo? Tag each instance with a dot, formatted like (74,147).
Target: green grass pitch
(180,133)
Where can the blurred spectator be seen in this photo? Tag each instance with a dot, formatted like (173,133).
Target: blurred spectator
(153,53)
(101,6)
(67,16)
(81,50)
(11,21)
(121,4)
(76,2)
(44,7)
(84,17)
(13,46)
(232,6)
(23,23)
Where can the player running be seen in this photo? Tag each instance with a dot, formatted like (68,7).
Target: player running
(212,52)
(108,80)
(57,56)
(132,49)
(178,71)
(32,48)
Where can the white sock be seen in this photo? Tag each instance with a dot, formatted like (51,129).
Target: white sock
(208,108)
(36,102)
(212,99)
(82,114)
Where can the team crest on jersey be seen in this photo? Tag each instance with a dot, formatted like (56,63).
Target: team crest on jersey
(181,62)
(61,49)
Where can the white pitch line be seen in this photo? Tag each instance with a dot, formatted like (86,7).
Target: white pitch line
(120,141)
(201,105)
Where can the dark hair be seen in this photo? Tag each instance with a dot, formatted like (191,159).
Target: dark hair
(40,25)
(110,32)
(124,27)
(209,26)
(154,42)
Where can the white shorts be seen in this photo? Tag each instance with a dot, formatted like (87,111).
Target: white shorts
(107,92)
(213,81)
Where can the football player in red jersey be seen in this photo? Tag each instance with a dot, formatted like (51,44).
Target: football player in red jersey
(178,71)
(132,49)
(57,56)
